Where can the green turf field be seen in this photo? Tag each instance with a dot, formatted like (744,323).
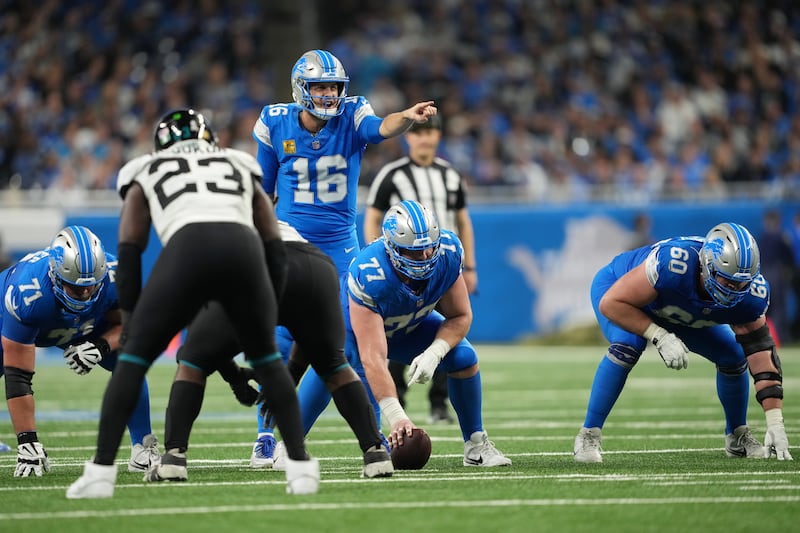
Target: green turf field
(664,466)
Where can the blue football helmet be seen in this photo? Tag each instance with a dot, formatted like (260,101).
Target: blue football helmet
(180,125)
(410,225)
(730,252)
(319,66)
(77,258)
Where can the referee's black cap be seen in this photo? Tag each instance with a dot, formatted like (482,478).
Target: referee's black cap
(434,123)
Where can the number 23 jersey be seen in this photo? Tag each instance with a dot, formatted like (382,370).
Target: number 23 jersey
(194,181)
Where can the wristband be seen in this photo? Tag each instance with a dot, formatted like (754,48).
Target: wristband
(468,269)
(653,331)
(438,348)
(774,417)
(392,410)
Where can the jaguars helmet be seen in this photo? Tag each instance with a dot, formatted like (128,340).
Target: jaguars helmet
(319,66)
(730,252)
(410,225)
(180,125)
(77,258)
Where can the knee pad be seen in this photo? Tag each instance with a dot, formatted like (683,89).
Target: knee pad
(461,357)
(624,355)
(18,382)
(735,370)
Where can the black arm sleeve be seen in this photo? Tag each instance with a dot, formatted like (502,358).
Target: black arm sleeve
(129,275)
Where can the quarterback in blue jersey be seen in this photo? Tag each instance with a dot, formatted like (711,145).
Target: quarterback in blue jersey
(63,296)
(393,287)
(310,155)
(698,294)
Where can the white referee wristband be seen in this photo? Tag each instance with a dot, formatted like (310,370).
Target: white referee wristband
(392,410)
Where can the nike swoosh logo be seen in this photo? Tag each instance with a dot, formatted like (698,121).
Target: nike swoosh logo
(478,461)
(348,250)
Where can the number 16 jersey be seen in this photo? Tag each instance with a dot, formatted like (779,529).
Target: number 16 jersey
(194,181)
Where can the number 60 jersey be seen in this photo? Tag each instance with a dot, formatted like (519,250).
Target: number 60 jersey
(194,181)
(673,269)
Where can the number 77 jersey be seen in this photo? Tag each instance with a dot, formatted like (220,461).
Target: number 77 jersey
(374,283)
(194,181)
(673,269)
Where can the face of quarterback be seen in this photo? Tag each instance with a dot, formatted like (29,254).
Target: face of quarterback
(324,94)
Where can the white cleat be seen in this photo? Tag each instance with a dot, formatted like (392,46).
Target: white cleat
(144,455)
(263,450)
(480,451)
(279,457)
(742,443)
(587,446)
(97,481)
(302,477)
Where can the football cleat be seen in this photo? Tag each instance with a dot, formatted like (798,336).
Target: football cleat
(279,457)
(302,477)
(171,468)
(144,455)
(742,443)
(377,463)
(480,451)
(263,450)
(587,446)
(97,481)
(4,447)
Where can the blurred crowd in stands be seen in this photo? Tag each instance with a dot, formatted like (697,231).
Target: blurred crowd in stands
(552,100)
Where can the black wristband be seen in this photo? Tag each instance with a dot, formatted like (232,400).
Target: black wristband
(468,269)
(24,437)
(101,345)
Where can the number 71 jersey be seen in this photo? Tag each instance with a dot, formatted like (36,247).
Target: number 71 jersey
(194,181)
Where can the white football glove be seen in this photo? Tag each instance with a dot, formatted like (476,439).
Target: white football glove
(424,365)
(82,358)
(31,459)
(671,349)
(775,441)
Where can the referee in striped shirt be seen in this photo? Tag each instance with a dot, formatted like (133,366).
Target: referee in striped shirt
(432,181)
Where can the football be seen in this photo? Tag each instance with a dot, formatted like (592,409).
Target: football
(414,453)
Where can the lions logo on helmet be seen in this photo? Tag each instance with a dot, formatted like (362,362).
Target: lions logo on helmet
(77,261)
(319,66)
(410,226)
(730,252)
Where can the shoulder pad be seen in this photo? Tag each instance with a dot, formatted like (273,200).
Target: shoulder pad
(128,173)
